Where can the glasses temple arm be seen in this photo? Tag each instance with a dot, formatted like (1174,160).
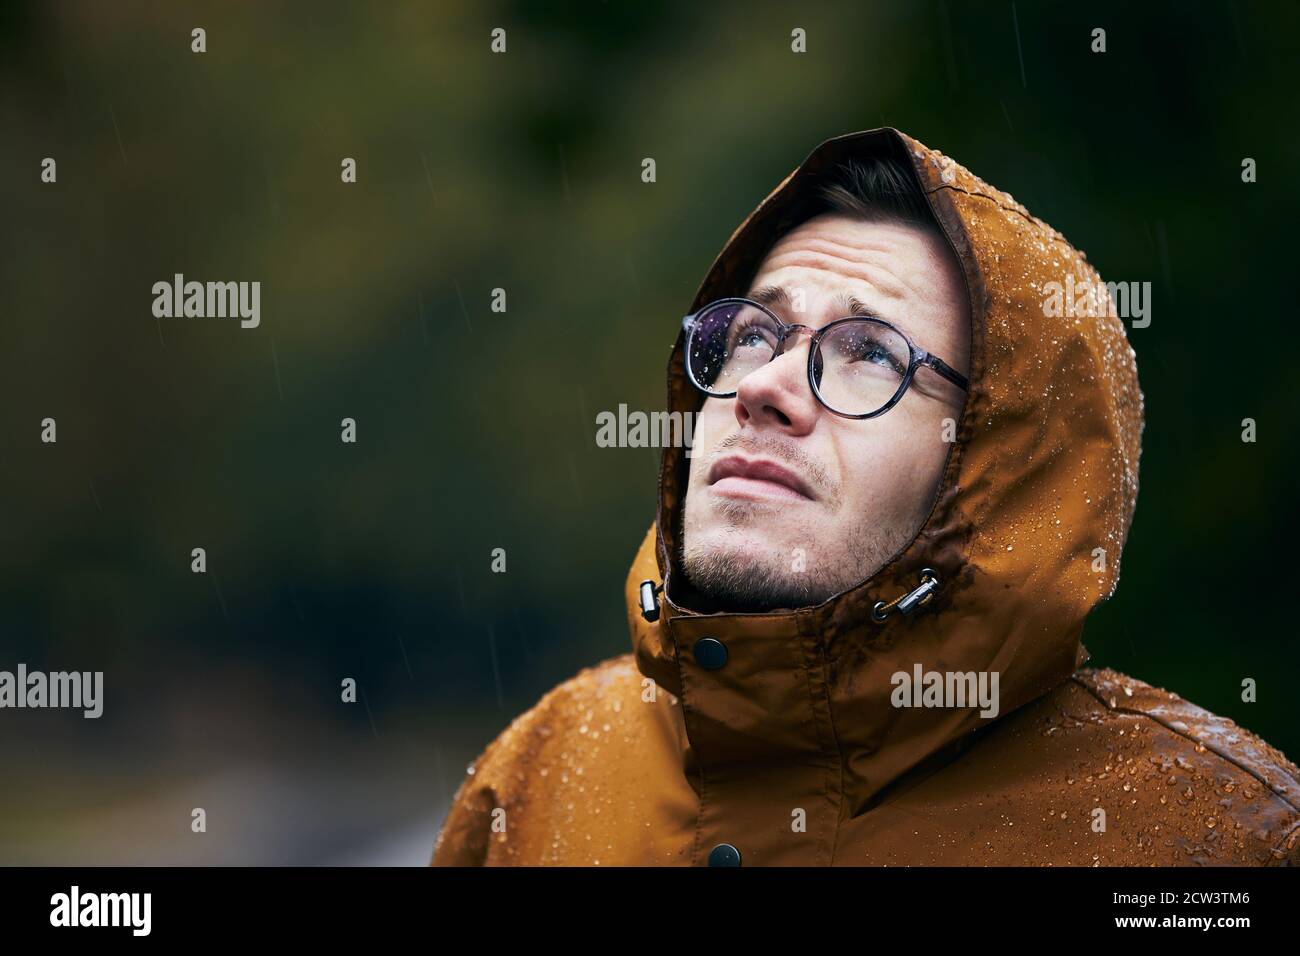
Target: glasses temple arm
(947,371)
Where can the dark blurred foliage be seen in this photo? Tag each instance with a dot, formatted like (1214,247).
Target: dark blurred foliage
(476,430)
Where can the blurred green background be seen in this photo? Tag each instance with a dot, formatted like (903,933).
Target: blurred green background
(477,430)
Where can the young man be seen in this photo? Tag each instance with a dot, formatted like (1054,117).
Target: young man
(856,621)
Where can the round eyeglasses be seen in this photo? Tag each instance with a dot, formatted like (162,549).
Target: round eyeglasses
(858,367)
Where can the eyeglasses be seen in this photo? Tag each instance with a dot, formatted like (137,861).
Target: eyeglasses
(858,367)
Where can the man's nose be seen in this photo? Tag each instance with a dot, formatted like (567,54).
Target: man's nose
(778,394)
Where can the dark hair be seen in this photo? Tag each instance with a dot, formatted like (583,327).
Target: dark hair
(877,189)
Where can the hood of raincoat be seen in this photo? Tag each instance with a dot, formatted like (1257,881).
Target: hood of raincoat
(1025,532)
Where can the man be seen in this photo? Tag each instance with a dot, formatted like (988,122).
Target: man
(856,621)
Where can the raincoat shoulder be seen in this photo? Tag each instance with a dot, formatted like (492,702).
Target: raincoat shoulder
(1215,774)
(502,777)
(1103,770)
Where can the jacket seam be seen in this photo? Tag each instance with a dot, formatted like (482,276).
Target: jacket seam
(1186,736)
(1032,220)
(839,760)
(831,771)
(686,726)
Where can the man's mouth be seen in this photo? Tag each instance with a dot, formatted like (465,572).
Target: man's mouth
(739,477)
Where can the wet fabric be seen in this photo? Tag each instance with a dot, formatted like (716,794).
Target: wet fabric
(792,752)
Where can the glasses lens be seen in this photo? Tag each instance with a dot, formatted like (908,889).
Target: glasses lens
(860,366)
(727,342)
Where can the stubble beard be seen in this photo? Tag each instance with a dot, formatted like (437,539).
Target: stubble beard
(736,569)
(726,568)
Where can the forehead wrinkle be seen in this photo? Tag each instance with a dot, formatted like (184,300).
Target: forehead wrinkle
(880,280)
(893,286)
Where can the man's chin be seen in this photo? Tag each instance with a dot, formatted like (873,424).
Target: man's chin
(750,548)
(748,572)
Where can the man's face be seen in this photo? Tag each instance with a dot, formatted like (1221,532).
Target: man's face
(821,502)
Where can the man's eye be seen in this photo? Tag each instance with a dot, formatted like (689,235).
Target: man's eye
(874,353)
(749,336)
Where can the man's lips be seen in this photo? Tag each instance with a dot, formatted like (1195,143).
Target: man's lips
(741,477)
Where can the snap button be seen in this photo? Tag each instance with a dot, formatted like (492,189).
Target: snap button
(724,854)
(710,653)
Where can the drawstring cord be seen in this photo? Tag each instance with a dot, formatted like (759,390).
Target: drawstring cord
(906,603)
(919,596)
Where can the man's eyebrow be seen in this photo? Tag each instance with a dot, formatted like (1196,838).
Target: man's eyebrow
(771,295)
(845,304)
(850,305)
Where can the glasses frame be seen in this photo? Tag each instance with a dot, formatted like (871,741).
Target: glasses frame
(918,356)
